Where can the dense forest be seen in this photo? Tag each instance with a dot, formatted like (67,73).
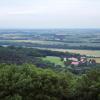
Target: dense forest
(25,76)
(27,82)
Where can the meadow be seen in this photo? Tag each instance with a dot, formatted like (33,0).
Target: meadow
(55,60)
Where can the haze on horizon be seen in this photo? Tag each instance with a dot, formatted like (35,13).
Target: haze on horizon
(49,14)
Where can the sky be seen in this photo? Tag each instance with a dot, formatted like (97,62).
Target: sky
(49,14)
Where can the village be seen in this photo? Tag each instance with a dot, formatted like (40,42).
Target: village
(78,65)
(78,62)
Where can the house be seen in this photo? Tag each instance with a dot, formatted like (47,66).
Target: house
(75,63)
(73,59)
(65,59)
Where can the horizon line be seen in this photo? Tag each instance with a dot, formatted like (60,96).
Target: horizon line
(43,28)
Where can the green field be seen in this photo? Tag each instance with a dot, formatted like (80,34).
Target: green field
(55,60)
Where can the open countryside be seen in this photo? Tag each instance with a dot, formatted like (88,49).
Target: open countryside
(95,54)
(79,41)
(49,49)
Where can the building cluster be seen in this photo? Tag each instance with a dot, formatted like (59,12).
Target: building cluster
(82,61)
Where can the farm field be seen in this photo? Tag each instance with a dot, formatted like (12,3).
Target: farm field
(97,60)
(87,39)
(95,53)
(81,41)
(55,60)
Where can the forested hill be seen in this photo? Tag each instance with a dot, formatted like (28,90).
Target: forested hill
(24,75)
(27,82)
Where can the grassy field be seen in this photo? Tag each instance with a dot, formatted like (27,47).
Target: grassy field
(95,53)
(55,60)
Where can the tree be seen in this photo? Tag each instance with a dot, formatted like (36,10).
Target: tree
(88,86)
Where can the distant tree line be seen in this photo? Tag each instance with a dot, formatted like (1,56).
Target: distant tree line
(57,46)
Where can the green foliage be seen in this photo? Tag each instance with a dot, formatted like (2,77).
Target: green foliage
(88,86)
(28,82)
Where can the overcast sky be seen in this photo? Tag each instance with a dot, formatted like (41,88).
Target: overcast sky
(49,13)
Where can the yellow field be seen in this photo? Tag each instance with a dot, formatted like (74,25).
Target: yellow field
(95,53)
(97,60)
